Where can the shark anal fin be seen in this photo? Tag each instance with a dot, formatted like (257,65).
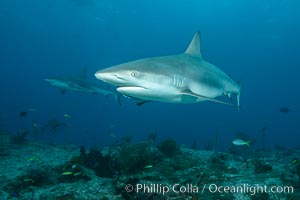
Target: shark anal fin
(189,92)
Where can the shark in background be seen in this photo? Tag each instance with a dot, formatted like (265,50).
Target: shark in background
(182,78)
(80,83)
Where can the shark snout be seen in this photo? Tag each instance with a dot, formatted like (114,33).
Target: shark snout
(99,75)
(108,77)
(104,76)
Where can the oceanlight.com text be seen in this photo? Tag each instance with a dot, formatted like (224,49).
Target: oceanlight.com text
(211,188)
(249,189)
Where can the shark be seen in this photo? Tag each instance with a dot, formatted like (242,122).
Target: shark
(182,78)
(81,84)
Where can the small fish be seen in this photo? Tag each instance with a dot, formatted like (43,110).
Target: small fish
(23,113)
(28,180)
(240,142)
(34,125)
(34,158)
(67,116)
(264,129)
(53,125)
(67,173)
(14,194)
(284,110)
(148,166)
(111,134)
(295,161)
(77,173)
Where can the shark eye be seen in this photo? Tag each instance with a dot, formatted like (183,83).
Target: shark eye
(134,73)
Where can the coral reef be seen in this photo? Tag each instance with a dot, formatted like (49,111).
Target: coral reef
(134,157)
(169,147)
(96,161)
(261,166)
(40,171)
(4,142)
(20,137)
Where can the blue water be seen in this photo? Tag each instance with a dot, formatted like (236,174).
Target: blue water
(257,42)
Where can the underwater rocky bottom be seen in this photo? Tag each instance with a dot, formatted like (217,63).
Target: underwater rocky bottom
(144,170)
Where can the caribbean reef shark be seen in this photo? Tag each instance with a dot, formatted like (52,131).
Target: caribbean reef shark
(182,78)
(81,84)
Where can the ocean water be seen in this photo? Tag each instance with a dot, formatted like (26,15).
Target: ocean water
(257,42)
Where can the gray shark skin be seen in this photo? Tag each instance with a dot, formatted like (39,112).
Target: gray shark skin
(80,84)
(183,78)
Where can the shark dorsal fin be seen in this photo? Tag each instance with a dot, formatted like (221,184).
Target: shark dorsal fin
(194,47)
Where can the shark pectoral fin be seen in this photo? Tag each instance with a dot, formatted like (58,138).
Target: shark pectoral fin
(140,102)
(189,92)
(118,98)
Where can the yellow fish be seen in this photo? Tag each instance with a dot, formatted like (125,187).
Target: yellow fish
(66,173)
(77,173)
(34,158)
(28,180)
(34,125)
(67,116)
(148,166)
(240,142)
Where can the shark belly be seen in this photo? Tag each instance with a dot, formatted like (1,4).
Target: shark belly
(168,95)
(207,90)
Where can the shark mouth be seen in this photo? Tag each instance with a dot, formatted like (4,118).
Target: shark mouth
(130,88)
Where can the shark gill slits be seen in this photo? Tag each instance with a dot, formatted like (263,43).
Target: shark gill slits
(178,81)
